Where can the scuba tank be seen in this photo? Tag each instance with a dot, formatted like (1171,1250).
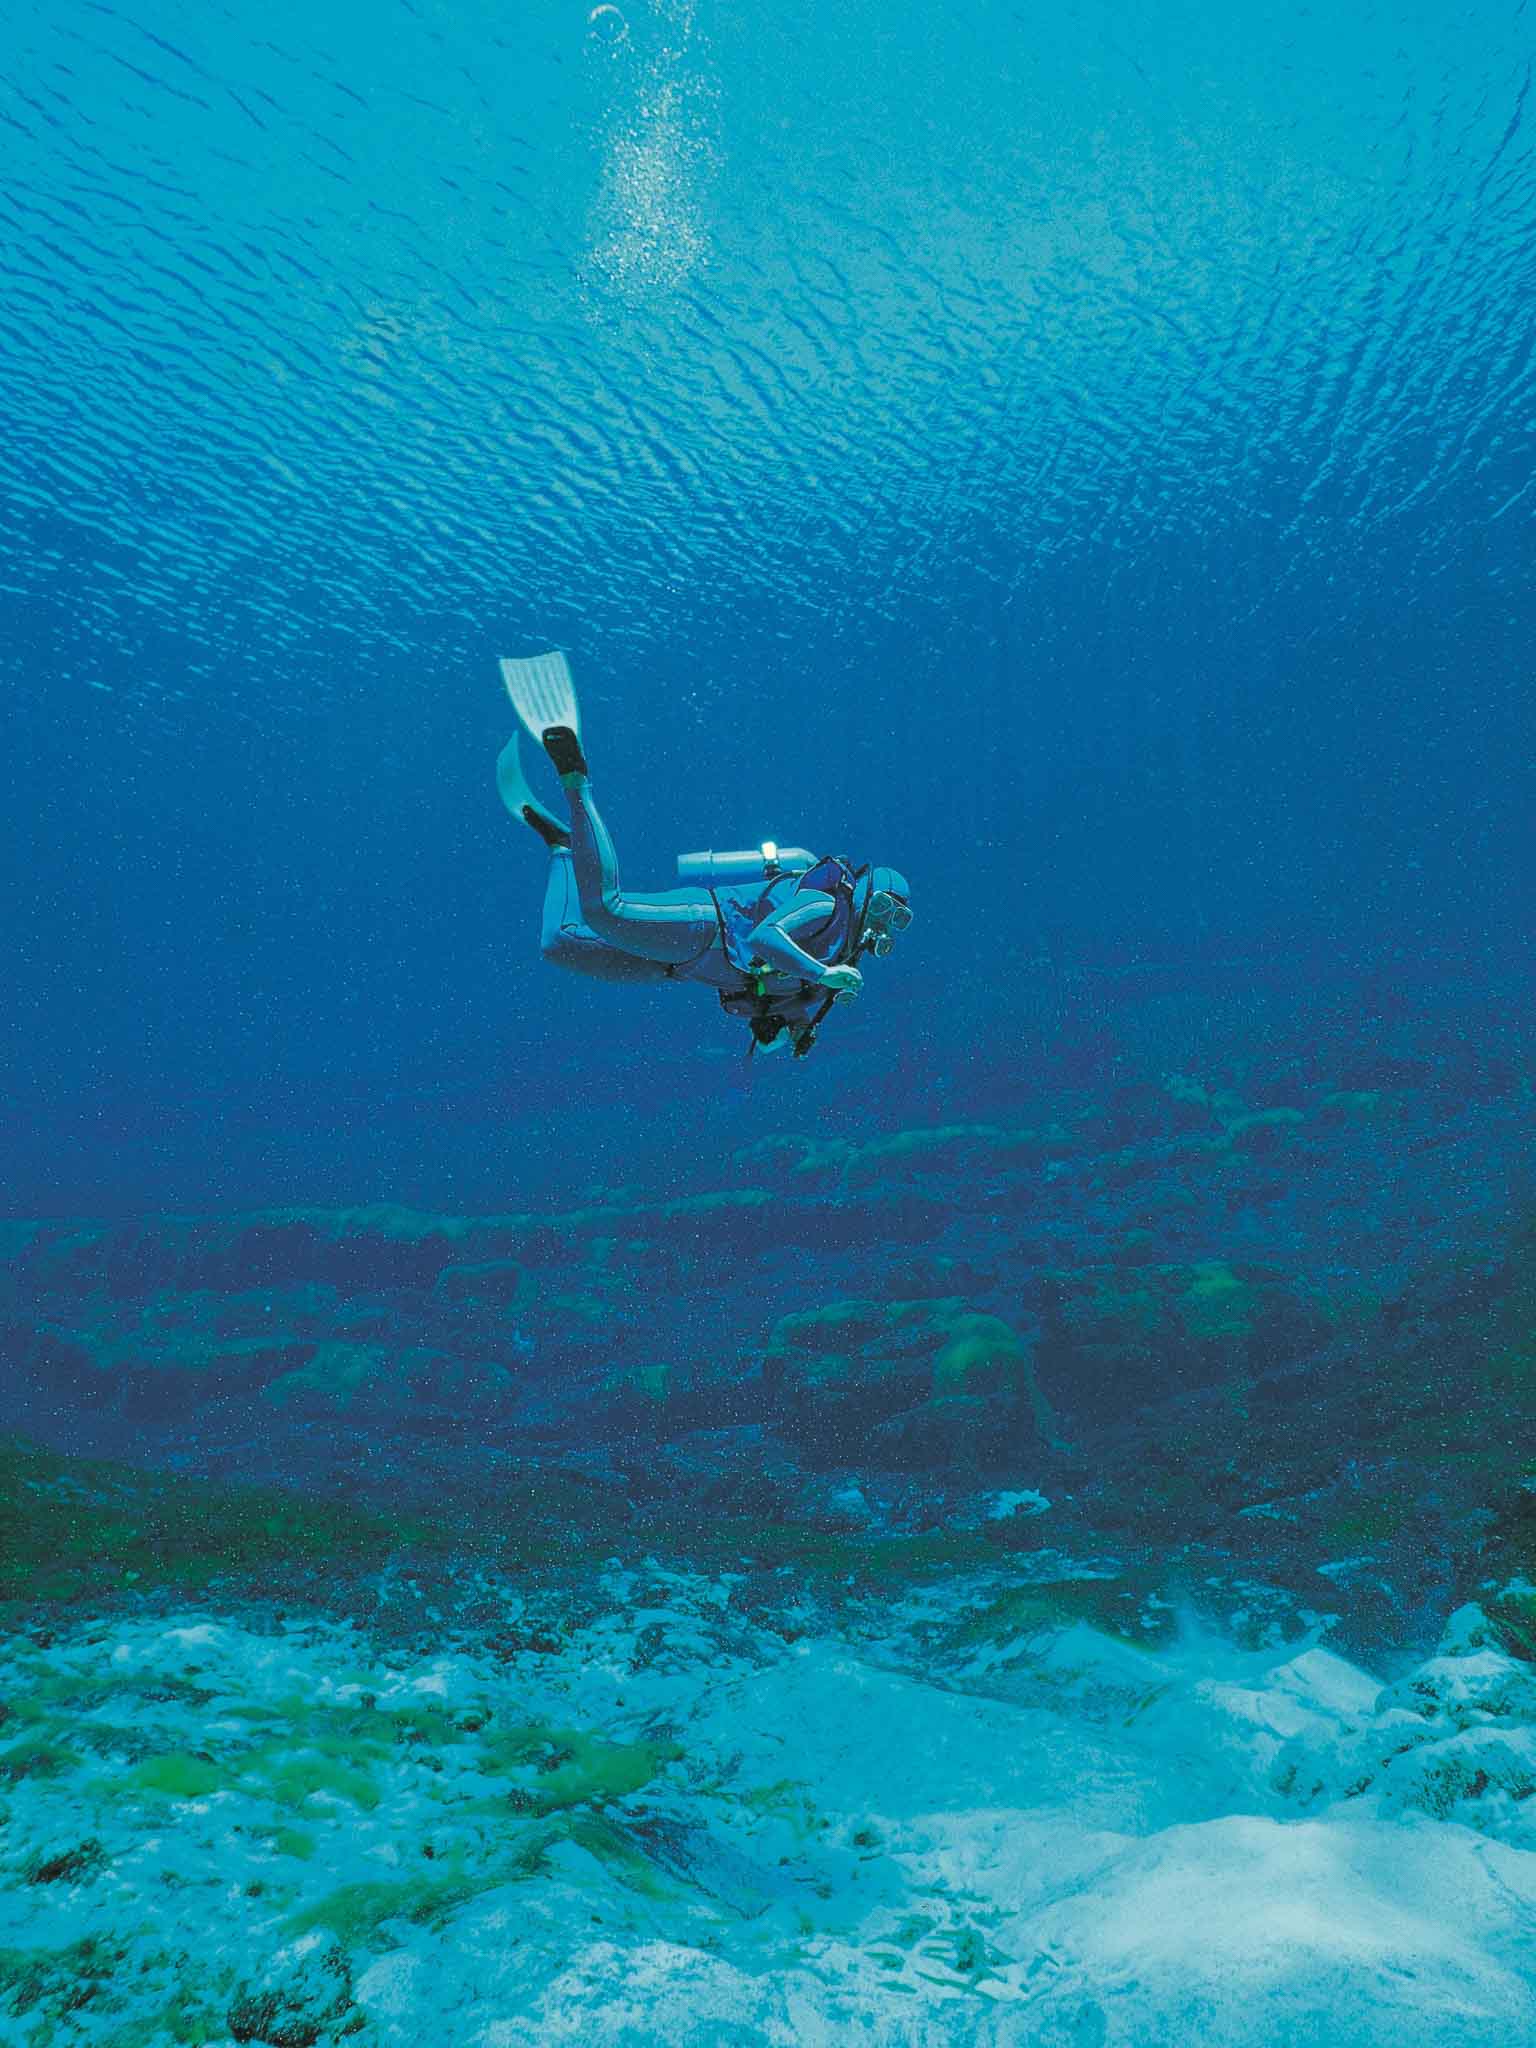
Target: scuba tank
(763,863)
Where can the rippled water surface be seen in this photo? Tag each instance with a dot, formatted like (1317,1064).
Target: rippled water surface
(445,318)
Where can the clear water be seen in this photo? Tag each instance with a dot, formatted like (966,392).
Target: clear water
(1084,456)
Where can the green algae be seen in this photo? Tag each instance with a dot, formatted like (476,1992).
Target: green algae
(337,1376)
(1374,1520)
(1114,1607)
(619,1854)
(1356,1105)
(294,1773)
(293,1842)
(557,1768)
(176,1775)
(413,1722)
(56,1983)
(827,1557)
(915,1368)
(33,1758)
(356,1913)
(321,1771)
(841,1324)
(1216,1305)
(981,1352)
(788,1800)
(1258,1130)
(1512,1612)
(72,1527)
(651,1384)
(188,2017)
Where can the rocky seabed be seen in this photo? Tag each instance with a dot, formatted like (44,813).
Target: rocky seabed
(662,1818)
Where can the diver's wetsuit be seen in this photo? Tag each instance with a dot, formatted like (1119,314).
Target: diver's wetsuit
(671,934)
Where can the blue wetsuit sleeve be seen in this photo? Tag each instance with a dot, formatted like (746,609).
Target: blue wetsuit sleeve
(773,940)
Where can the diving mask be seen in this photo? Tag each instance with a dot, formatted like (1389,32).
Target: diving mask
(890,912)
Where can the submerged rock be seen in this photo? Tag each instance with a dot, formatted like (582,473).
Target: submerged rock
(302,1997)
(1002,1808)
(904,1384)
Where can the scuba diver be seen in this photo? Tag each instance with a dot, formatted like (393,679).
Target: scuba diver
(778,931)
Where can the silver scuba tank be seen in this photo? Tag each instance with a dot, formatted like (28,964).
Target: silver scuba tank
(760,864)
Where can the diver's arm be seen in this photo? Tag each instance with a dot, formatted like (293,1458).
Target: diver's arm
(773,942)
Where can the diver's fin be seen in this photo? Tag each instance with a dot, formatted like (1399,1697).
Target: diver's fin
(542,693)
(512,786)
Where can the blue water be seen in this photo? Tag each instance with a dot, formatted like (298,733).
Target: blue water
(937,1541)
(1083,455)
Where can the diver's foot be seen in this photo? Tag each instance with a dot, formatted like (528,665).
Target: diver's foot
(564,749)
(554,836)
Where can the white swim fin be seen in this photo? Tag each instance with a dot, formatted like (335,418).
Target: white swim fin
(542,693)
(512,786)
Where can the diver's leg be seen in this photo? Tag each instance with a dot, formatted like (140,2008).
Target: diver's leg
(567,942)
(673,926)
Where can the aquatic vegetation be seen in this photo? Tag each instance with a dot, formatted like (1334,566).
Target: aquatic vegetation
(729,1851)
(496,1283)
(1217,1305)
(319,1772)
(844,1325)
(68,1526)
(982,1355)
(552,1769)
(1374,1520)
(190,2017)
(594,1830)
(336,1376)
(788,1800)
(1259,1130)
(579,1769)
(956,1148)
(651,1384)
(840,1559)
(293,1774)
(921,1373)
(35,1759)
(55,1983)
(1125,1609)
(1356,1106)
(302,1993)
(293,1842)
(354,1913)
(176,1775)
(799,1157)
(68,1866)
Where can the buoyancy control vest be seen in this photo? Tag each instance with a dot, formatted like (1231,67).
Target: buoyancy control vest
(742,908)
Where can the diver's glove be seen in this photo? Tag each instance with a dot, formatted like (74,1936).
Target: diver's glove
(842,983)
